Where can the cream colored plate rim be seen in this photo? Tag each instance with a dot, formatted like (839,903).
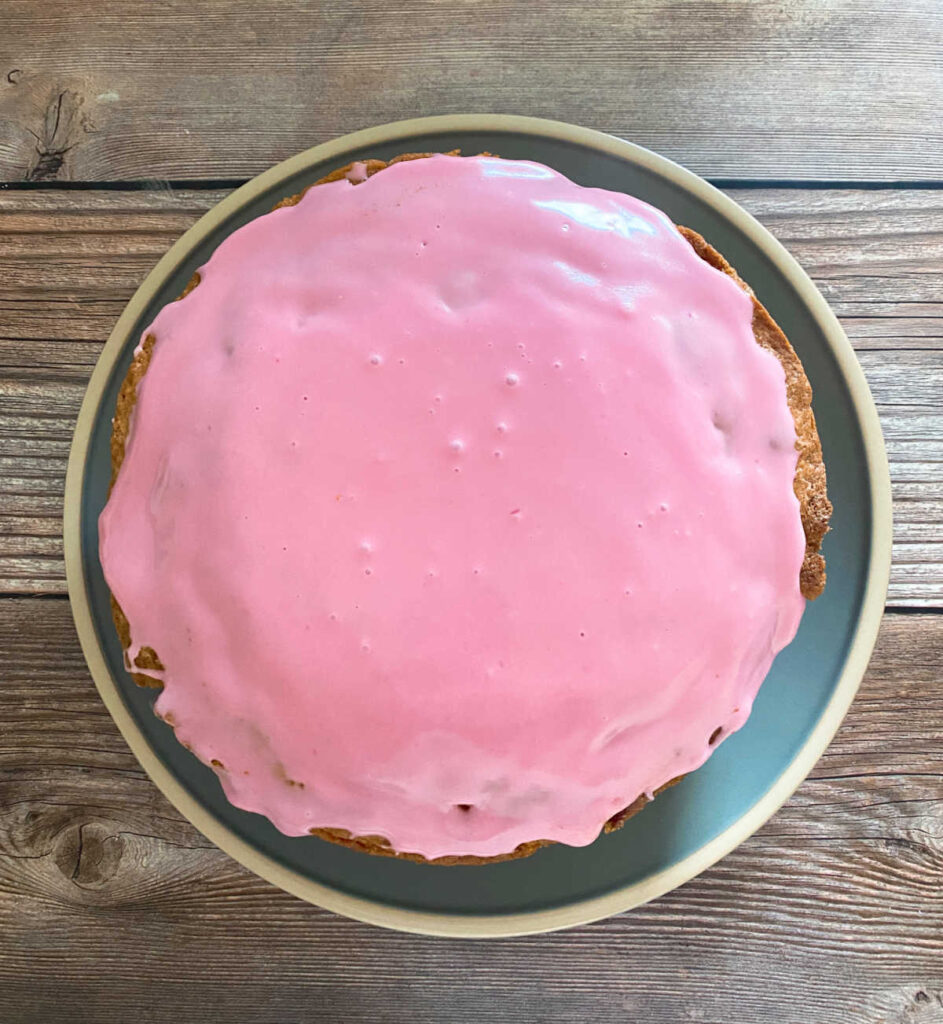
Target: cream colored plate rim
(482,926)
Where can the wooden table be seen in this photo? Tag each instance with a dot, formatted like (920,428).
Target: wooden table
(120,123)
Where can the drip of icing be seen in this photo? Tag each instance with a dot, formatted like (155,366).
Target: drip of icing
(462,496)
(357,172)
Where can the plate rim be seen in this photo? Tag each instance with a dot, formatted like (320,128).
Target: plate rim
(625,897)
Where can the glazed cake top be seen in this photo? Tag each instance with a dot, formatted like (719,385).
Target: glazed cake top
(458,506)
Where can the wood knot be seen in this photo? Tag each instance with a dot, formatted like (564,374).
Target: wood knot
(63,128)
(89,854)
(45,117)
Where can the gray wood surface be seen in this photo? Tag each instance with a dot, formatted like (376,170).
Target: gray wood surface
(831,914)
(112,908)
(745,89)
(876,255)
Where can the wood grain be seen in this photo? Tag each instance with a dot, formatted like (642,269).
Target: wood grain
(69,261)
(831,914)
(113,908)
(225,88)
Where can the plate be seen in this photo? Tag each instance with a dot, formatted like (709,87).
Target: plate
(686,829)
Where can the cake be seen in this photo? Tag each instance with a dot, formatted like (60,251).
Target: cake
(458,509)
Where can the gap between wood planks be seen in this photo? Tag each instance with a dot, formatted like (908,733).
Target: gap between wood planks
(195,184)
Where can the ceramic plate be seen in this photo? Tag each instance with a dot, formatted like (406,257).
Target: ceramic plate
(687,828)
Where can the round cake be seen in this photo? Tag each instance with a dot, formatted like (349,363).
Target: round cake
(458,508)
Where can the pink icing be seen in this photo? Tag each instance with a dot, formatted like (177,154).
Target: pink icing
(464,487)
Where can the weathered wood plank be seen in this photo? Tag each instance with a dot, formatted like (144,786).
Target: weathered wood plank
(69,261)
(843,90)
(832,913)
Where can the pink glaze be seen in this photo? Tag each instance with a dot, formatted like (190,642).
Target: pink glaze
(462,486)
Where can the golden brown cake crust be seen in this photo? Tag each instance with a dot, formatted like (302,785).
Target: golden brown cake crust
(809,481)
(809,485)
